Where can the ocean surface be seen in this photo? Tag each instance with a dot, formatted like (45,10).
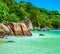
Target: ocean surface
(35,44)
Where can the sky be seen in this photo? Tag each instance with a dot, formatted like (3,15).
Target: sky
(47,4)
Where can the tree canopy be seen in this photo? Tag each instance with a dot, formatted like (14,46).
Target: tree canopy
(10,11)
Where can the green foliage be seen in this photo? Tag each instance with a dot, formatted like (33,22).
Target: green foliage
(12,18)
(56,23)
(3,11)
(10,11)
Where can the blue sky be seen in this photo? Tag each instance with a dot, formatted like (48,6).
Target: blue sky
(47,4)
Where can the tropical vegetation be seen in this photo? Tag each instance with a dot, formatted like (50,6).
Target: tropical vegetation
(11,11)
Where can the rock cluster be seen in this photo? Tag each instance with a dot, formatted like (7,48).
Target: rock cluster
(14,29)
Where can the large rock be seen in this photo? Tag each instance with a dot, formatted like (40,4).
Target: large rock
(4,28)
(15,28)
(41,35)
(28,23)
(18,29)
(25,30)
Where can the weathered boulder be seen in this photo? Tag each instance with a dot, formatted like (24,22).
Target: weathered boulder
(41,35)
(15,28)
(18,29)
(4,28)
(10,26)
(28,23)
(25,30)
(11,32)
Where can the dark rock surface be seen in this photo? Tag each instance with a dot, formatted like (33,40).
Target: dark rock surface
(41,35)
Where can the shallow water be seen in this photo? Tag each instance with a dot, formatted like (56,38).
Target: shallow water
(48,44)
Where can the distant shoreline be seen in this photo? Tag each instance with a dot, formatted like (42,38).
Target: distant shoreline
(46,29)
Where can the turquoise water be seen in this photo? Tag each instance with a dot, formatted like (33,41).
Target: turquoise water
(48,44)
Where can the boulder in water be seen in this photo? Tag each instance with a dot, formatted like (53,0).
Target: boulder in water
(5,28)
(10,41)
(19,29)
(15,28)
(28,23)
(25,30)
(41,35)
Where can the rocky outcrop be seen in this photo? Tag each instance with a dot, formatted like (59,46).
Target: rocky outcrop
(18,29)
(28,23)
(4,28)
(25,30)
(15,28)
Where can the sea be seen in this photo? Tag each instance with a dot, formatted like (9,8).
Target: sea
(35,44)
